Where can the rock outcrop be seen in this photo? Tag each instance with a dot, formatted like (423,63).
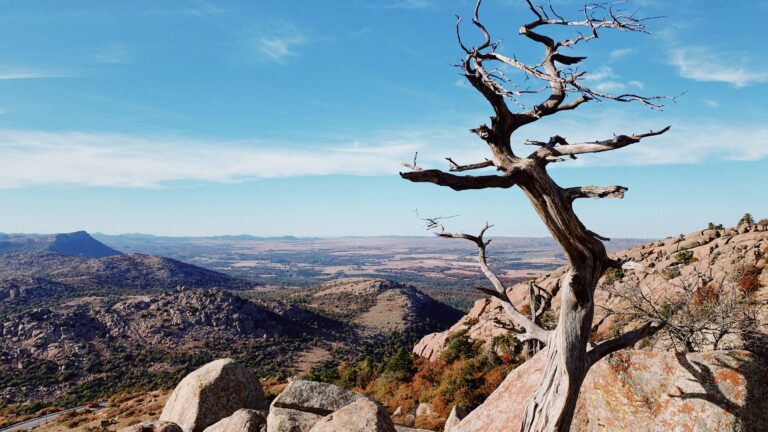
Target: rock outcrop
(363,415)
(660,266)
(153,426)
(211,393)
(243,420)
(304,403)
(642,391)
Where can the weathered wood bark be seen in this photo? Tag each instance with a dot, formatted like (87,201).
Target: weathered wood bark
(552,406)
(554,402)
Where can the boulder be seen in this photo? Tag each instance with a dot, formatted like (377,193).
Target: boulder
(364,415)
(400,428)
(424,409)
(304,403)
(211,393)
(243,420)
(644,391)
(290,420)
(456,415)
(314,397)
(153,426)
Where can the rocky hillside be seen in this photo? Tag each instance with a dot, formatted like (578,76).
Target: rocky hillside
(93,346)
(78,243)
(381,306)
(705,263)
(31,276)
(78,347)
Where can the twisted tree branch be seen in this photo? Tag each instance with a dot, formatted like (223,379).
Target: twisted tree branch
(626,340)
(457,182)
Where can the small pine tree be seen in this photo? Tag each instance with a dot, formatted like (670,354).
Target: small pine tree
(747,219)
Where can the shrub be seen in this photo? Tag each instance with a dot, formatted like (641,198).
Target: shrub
(749,281)
(684,257)
(613,275)
(399,366)
(459,346)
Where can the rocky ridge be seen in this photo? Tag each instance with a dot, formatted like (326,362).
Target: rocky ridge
(660,267)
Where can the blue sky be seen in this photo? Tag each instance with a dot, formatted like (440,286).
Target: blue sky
(202,117)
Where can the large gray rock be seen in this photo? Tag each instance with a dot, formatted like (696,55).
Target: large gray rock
(304,403)
(364,415)
(153,426)
(400,428)
(211,393)
(290,420)
(314,397)
(243,420)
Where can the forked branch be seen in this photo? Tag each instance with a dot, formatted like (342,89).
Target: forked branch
(532,330)
(563,148)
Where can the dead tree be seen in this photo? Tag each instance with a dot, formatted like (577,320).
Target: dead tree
(569,354)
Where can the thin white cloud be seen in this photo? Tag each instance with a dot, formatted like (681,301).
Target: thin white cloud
(606,80)
(410,4)
(600,74)
(280,42)
(117,160)
(711,103)
(702,64)
(610,86)
(690,141)
(621,52)
(23,73)
(29,158)
(114,53)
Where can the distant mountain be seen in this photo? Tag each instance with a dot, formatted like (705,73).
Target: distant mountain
(78,243)
(115,275)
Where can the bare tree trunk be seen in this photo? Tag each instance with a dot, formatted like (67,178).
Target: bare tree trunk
(569,358)
(552,406)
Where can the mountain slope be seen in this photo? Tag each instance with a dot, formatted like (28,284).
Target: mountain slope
(113,274)
(78,243)
(91,347)
(381,306)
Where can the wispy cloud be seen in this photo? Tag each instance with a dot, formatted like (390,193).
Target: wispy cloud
(118,160)
(280,42)
(410,4)
(600,74)
(10,73)
(606,80)
(702,64)
(113,54)
(690,141)
(621,52)
(29,158)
